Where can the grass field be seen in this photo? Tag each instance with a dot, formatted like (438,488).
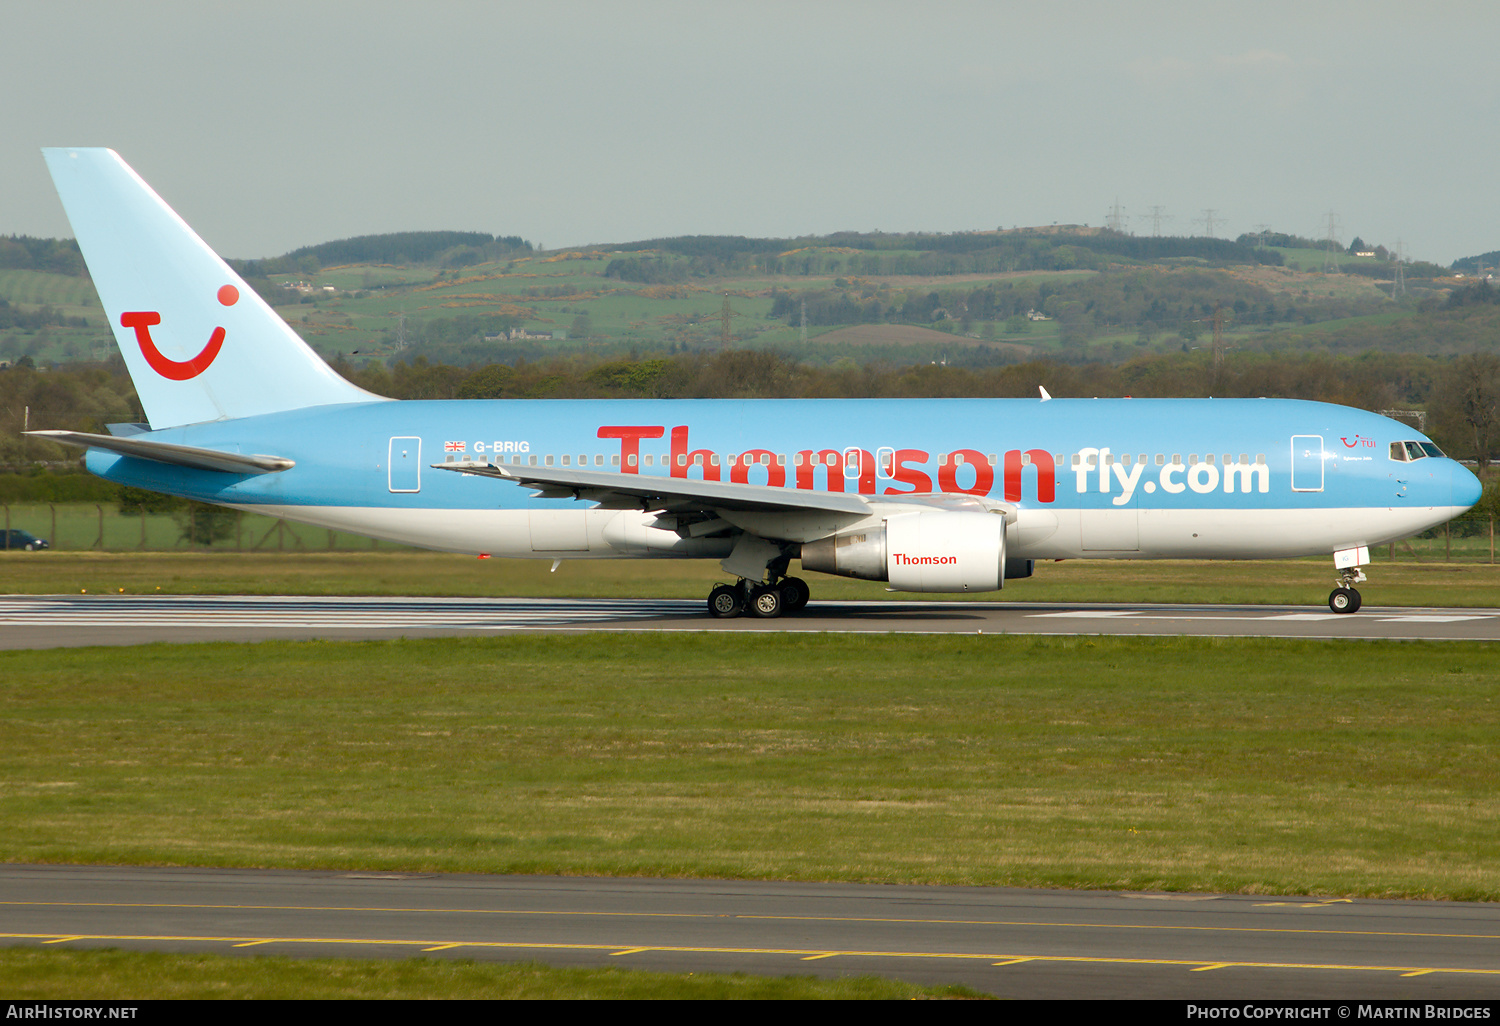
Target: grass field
(1255,766)
(28,974)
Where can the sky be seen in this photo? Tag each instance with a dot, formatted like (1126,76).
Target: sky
(274,125)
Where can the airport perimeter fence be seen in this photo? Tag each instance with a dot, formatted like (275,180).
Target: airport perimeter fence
(100,527)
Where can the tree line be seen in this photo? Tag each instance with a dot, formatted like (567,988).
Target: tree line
(26,253)
(1459,393)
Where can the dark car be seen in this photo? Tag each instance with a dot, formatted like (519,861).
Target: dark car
(22,540)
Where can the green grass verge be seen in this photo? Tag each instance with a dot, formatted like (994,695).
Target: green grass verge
(1256,766)
(28,975)
(1277,582)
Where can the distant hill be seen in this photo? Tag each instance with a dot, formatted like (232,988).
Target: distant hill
(1470,265)
(406,248)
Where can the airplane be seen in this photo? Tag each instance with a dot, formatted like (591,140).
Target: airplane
(927,495)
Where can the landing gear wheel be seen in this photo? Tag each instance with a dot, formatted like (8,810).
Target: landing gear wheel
(726,602)
(1344,600)
(765,601)
(794,594)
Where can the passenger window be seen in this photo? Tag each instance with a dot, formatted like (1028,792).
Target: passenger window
(1160,459)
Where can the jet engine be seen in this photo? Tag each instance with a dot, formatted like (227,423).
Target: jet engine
(921,551)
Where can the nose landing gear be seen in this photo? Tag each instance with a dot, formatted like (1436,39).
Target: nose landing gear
(1344,598)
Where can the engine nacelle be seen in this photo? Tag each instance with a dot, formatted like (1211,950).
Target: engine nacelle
(920,551)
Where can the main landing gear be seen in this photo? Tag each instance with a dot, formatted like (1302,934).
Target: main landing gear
(788,595)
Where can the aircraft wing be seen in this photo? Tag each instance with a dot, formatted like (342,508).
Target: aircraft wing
(788,514)
(614,490)
(176,455)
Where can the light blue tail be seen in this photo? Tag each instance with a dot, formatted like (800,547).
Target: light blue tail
(199,343)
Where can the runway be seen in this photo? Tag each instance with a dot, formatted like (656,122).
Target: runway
(50,621)
(1014,943)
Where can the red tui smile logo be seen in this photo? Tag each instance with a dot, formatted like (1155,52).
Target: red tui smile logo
(141,321)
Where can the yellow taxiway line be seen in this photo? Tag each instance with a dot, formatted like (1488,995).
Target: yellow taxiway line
(995,958)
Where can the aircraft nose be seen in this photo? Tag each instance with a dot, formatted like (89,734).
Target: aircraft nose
(1466,487)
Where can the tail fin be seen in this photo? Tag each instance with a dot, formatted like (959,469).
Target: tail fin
(199,343)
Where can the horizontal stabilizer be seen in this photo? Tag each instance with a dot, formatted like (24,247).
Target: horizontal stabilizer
(176,455)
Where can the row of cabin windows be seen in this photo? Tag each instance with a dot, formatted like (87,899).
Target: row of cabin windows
(851,460)
(1161,459)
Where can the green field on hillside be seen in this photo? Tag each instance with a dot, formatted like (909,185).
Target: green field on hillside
(74,296)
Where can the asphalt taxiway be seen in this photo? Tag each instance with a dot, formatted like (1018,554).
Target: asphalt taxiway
(1014,943)
(50,621)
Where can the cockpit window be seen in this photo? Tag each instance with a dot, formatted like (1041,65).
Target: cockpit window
(1407,451)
